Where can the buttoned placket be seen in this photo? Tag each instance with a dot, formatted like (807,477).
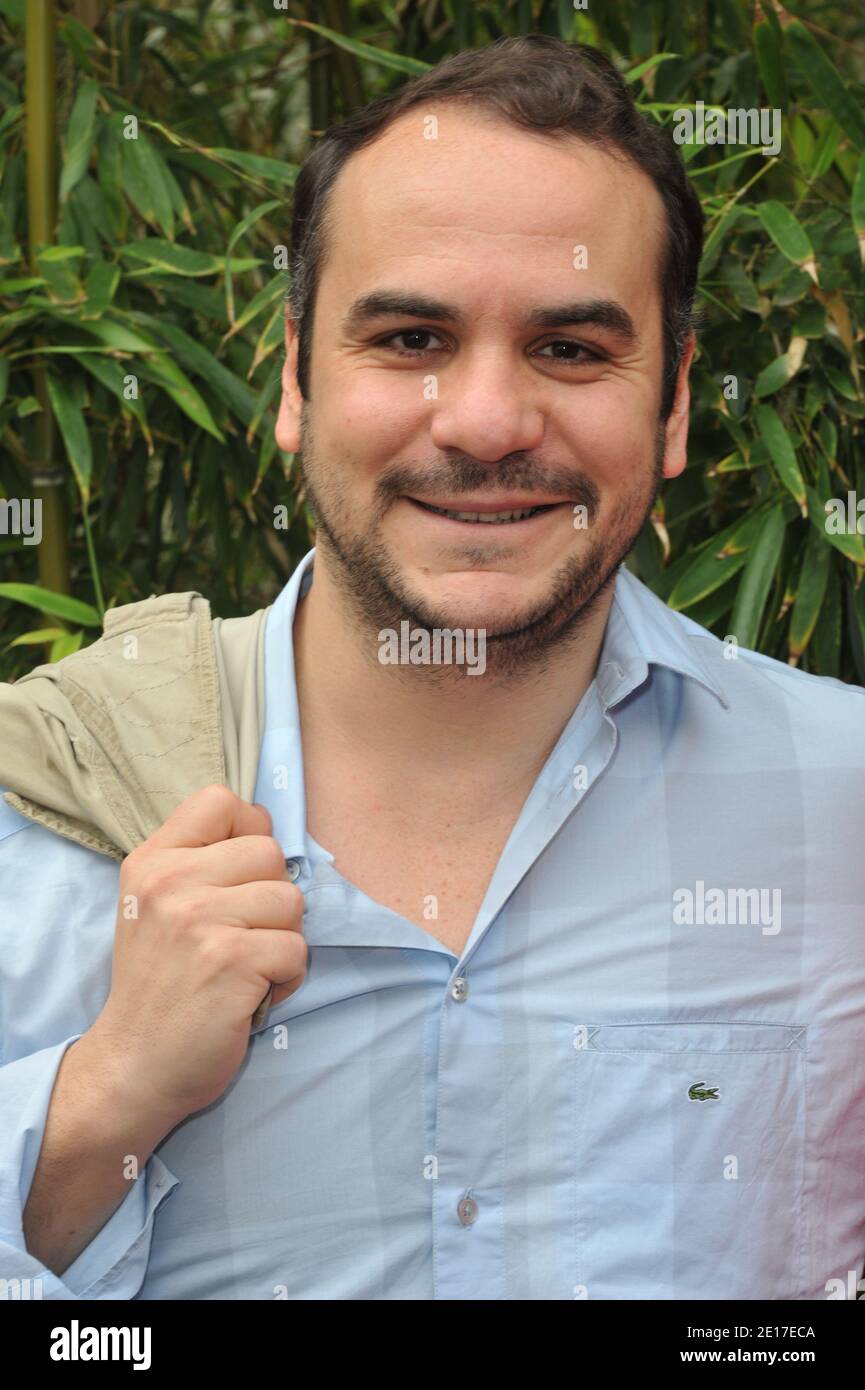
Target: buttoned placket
(468,1194)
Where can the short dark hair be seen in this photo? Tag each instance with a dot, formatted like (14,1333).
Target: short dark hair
(539,83)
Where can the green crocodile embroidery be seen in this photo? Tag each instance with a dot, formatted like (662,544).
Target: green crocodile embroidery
(700,1091)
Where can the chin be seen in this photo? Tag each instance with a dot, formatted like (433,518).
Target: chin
(492,602)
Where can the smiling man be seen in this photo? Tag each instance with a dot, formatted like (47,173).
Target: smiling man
(505,1057)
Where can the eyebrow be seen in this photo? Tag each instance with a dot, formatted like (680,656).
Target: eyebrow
(599,313)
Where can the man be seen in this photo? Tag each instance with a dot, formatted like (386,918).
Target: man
(567,940)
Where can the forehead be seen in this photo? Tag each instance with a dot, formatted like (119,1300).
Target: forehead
(495,206)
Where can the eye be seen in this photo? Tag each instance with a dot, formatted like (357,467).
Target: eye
(413,334)
(571,359)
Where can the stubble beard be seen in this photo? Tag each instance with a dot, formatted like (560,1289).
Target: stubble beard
(376,597)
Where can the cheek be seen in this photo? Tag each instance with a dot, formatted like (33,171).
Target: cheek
(378,421)
(611,445)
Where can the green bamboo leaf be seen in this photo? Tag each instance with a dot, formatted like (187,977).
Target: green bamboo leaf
(268,394)
(275,289)
(841,380)
(810,593)
(115,336)
(715,240)
(633,74)
(100,286)
(715,562)
(46,601)
(113,377)
(856,618)
(11,117)
(827,435)
(178,198)
(109,173)
(171,258)
(37,637)
(186,291)
(782,453)
(770,62)
(240,230)
(782,370)
(64,646)
(58,267)
(757,579)
(79,138)
(826,83)
(413,66)
(788,235)
(145,184)
(848,542)
(824,652)
(272,335)
(857,207)
(258,165)
(773,377)
(228,387)
(161,369)
(73,427)
(16,284)
(827,149)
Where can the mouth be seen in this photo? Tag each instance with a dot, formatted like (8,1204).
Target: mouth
(484,514)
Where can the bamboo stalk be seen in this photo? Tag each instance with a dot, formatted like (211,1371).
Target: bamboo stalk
(47,475)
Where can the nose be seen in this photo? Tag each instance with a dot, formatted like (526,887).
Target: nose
(486,408)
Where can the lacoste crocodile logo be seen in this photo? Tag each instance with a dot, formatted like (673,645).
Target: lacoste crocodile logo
(700,1091)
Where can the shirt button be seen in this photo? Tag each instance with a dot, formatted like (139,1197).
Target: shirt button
(460,989)
(467,1211)
(293,869)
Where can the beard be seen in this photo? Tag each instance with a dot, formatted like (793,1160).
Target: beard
(374,590)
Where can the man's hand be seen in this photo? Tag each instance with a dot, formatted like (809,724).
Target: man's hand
(207,920)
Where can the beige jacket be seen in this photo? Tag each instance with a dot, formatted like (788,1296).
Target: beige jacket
(101,746)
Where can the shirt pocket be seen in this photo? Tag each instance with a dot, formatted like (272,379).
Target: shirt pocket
(688,1160)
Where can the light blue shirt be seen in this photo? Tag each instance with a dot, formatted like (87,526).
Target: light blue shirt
(644,1078)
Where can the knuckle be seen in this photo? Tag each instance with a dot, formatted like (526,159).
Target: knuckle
(216,952)
(295,899)
(274,857)
(190,910)
(217,794)
(285,898)
(159,880)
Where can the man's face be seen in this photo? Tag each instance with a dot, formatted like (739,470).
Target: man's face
(497,388)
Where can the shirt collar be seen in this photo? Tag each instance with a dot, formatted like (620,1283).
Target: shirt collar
(279,785)
(641,631)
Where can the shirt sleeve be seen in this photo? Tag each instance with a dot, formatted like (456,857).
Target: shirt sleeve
(114,1264)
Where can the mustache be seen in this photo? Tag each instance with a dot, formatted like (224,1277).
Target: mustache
(468,476)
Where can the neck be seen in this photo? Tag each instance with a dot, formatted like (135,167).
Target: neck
(500,732)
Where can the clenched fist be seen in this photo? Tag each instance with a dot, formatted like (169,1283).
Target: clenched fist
(207,921)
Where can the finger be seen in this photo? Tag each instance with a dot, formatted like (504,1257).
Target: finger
(245,859)
(278,957)
(266,904)
(208,816)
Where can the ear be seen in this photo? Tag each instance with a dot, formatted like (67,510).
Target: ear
(287,430)
(676,427)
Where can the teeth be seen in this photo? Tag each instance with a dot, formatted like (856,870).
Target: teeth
(491,517)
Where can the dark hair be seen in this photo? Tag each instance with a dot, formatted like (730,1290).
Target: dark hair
(539,83)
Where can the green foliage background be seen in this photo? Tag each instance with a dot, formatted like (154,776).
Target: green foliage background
(164,267)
